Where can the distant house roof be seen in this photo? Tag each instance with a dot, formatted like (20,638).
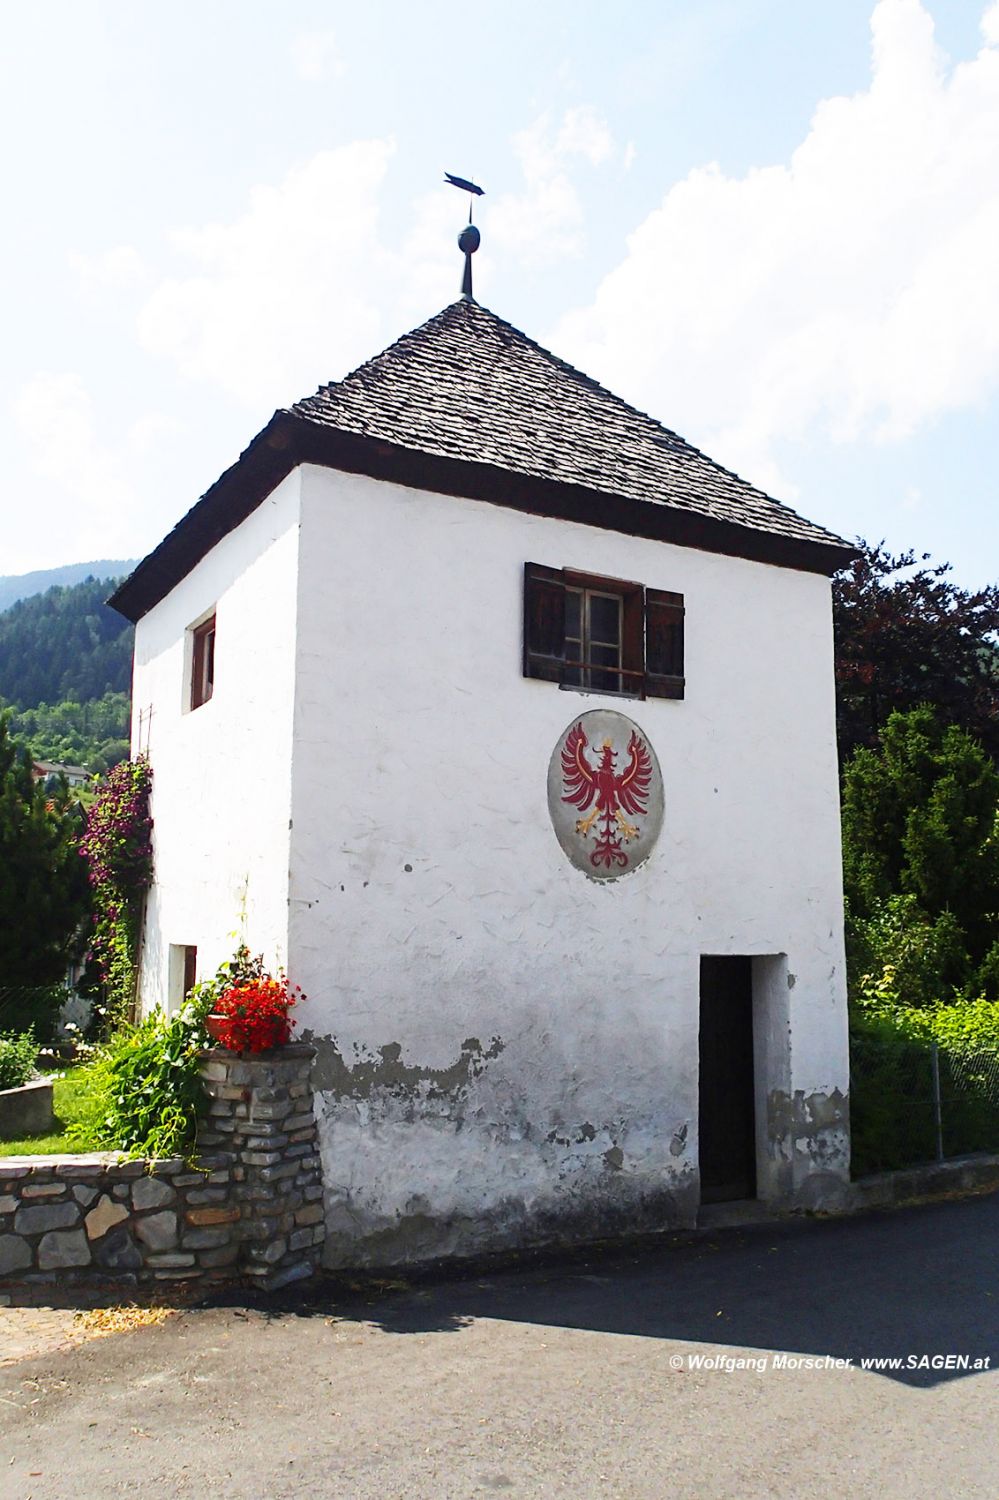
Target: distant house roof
(468,405)
(42,768)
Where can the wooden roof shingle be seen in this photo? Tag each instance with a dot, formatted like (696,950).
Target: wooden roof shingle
(468,405)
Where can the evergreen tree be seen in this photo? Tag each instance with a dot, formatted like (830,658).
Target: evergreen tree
(43,880)
(64,644)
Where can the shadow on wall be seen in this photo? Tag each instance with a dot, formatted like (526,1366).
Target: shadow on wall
(916,1281)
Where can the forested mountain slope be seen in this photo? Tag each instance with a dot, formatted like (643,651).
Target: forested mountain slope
(65,674)
(14,586)
(65,643)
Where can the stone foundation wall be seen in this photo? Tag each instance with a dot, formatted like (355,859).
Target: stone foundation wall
(250,1204)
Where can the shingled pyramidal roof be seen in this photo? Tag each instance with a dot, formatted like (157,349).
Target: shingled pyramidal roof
(466,404)
(468,385)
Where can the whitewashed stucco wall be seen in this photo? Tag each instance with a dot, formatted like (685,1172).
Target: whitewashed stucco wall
(508,1050)
(221,796)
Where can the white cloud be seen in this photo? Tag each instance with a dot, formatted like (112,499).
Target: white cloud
(544,223)
(316,56)
(93,501)
(990,24)
(119,269)
(850,290)
(303,285)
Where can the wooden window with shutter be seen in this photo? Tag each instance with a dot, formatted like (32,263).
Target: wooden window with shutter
(602,635)
(203,663)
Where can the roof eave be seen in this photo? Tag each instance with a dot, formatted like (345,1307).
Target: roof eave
(289,440)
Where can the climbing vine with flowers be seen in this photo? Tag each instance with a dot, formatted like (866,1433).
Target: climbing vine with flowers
(117,846)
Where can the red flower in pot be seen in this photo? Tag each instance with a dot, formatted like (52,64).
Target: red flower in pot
(253,1016)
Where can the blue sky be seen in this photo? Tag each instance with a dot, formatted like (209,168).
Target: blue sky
(772,223)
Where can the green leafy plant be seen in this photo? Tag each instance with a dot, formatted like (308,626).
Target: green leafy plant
(892,1113)
(18,1055)
(921,863)
(144,1087)
(143,1092)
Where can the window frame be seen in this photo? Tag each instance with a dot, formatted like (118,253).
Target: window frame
(202,687)
(651,644)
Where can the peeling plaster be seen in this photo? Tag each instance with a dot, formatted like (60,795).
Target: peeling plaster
(333,1075)
(806,1117)
(810,1134)
(586,1132)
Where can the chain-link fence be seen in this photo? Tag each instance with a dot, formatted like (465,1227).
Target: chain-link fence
(38,1006)
(914,1102)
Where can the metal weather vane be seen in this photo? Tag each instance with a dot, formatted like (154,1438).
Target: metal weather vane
(469,238)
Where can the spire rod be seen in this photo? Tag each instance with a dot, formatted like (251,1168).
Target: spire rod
(469,238)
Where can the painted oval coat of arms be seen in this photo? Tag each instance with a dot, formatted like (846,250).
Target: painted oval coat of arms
(605,794)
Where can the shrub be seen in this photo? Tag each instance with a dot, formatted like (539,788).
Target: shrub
(32,1007)
(145,1091)
(921,859)
(18,1055)
(908,959)
(892,1112)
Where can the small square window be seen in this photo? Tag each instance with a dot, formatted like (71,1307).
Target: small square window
(203,662)
(602,635)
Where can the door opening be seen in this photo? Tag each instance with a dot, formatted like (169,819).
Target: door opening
(726,1107)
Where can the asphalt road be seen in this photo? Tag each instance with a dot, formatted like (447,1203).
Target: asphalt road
(570,1380)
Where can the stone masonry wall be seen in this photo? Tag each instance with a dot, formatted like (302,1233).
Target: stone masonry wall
(250,1205)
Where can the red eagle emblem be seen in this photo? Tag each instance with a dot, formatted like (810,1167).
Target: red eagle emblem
(612,794)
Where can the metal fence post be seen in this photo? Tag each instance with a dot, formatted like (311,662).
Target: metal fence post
(937,1106)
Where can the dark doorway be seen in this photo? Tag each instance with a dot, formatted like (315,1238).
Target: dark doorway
(727,1116)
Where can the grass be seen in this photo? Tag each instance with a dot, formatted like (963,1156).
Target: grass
(69,1094)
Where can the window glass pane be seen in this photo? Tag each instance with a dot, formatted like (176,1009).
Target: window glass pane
(605,656)
(605,682)
(573,676)
(573,599)
(605,618)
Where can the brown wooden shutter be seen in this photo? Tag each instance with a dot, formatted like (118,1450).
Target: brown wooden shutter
(663,644)
(544,622)
(633,639)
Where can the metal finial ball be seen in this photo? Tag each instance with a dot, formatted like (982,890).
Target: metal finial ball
(468,239)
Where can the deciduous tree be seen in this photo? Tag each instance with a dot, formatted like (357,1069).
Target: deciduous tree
(921,859)
(907,635)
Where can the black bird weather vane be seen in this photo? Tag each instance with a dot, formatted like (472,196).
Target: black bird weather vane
(469,238)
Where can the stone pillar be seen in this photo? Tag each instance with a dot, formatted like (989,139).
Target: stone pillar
(261,1115)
